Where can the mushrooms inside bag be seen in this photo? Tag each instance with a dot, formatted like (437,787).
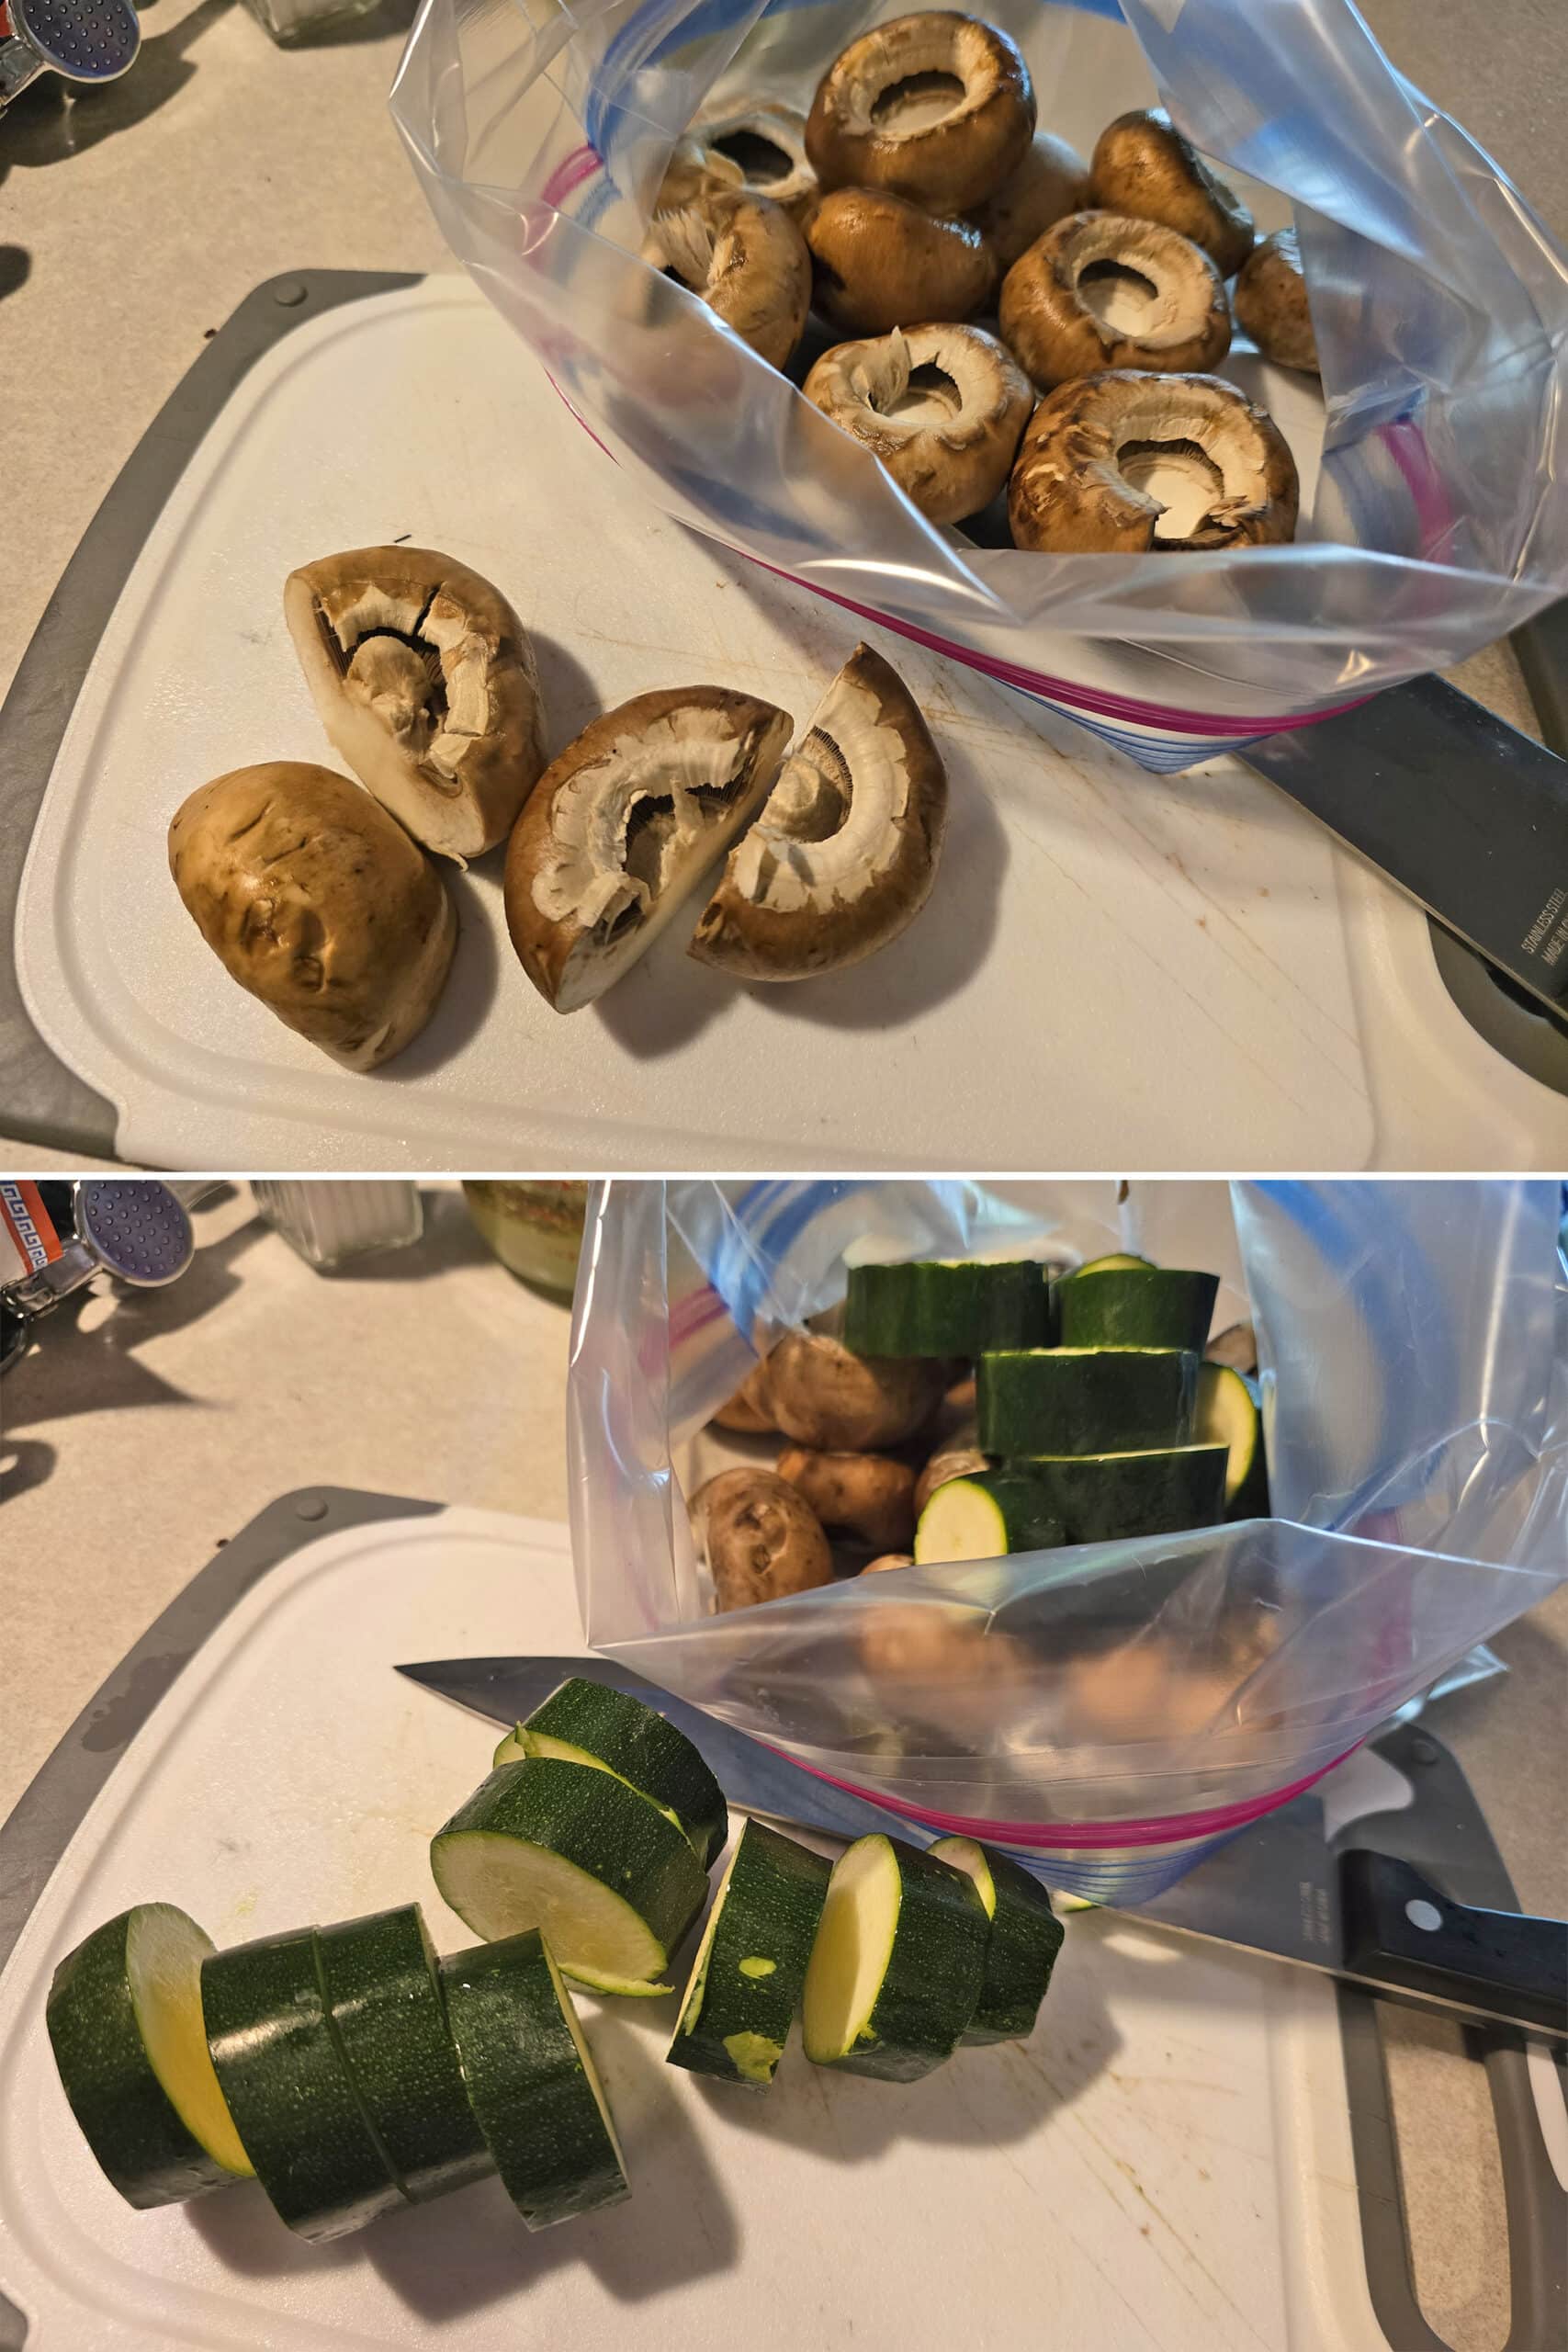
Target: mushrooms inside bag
(935,105)
(423,677)
(941,406)
(844,853)
(1126,462)
(879,262)
(1271,303)
(624,822)
(763,142)
(746,259)
(1144,166)
(1101,290)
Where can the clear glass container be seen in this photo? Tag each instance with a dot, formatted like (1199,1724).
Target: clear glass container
(330,1223)
(535,1230)
(292,23)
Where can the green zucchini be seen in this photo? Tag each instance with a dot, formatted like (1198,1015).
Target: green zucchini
(532,2081)
(986,1516)
(124,2020)
(587,1722)
(749,1973)
(946,1306)
(378,1975)
(1156,1491)
(1084,1400)
(1136,1306)
(1228,1415)
(1112,1263)
(282,2070)
(1025,1938)
(610,1880)
(896,1970)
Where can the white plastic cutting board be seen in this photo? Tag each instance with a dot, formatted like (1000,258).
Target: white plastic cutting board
(1108,957)
(1165,2167)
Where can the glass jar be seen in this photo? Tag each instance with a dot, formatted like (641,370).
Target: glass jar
(535,1230)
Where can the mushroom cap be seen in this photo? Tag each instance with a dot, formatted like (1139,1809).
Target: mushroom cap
(1103,290)
(695,170)
(1271,302)
(762,142)
(880,262)
(943,406)
(1051,181)
(746,260)
(423,677)
(317,903)
(1105,458)
(1144,166)
(937,106)
(624,821)
(845,850)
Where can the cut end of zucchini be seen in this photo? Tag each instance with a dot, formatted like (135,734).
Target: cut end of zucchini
(585,2056)
(164,1950)
(853,1946)
(984,1518)
(1228,1416)
(500,1885)
(963,1854)
(512,1749)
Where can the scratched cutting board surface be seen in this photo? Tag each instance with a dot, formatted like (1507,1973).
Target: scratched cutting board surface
(1106,954)
(1163,2168)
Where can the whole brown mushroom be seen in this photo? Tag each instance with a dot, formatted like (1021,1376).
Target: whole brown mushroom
(759,1537)
(825,1397)
(1103,290)
(1051,181)
(1271,303)
(1144,166)
(745,257)
(941,406)
(748,1413)
(936,105)
(870,1496)
(879,262)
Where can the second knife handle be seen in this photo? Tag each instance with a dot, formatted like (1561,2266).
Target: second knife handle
(1400,1930)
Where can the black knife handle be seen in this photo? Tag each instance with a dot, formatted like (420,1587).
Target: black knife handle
(1399,1930)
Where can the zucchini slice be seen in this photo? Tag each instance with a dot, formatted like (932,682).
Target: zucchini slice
(1099,1497)
(281,2068)
(1114,1260)
(572,1850)
(587,1723)
(749,1973)
(946,1306)
(1084,1400)
(986,1516)
(379,1975)
(897,1966)
(124,2018)
(1228,1415)
(1026,1936)
(531,2082)
(1135,1306)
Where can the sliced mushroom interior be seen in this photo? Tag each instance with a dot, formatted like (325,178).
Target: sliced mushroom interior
(423,677)
(1101,290)
(746,260)
(943,407)
(1125,462)
(624,822)
(764,144)
(844,853)
(1144,166)
(937,106)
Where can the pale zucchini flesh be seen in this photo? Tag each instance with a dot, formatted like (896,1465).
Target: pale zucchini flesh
(898,1965)
(1228,1415)
(984,1517)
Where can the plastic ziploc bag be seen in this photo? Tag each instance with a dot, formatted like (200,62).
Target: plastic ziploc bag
(1108,1711)
(1438,519)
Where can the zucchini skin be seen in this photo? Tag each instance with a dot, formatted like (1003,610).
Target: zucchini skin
(1099,1498)
(1026,1937)
(129,2123)
(933,1307)
(1102,1400)
(935,1971)
(644,1748)
(1135,1306)
(771,1906)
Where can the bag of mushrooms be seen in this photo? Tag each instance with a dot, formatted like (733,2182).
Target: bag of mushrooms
(1106,1709)
(1176,365)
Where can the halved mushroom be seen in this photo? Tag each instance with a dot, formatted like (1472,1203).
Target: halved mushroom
(763,142)
(624,821)
(423,678)
(845,852)
(941,406)
(1144,166)
(1051,181)
(1103,290)
(746,258)
(937,106)
(1129,462)
(1271,302)
(879,262)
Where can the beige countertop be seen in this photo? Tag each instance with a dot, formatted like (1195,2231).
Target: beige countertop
(141,1432)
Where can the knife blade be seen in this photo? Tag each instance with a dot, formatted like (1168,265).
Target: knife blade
(1278,1888)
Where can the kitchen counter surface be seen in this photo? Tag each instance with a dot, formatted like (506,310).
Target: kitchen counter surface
(141,1433)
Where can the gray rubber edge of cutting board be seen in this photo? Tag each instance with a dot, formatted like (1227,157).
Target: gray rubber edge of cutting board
(44,1102)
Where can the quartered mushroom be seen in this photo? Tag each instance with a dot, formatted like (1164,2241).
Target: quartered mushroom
(745,257)
(1101,290)
(1144,166)
(941,406)
(879,262)
(423,678)
(1129,462)
(844,853)
(937,107)
(763,142)
(624,821)
(1271,302)
(1051,181)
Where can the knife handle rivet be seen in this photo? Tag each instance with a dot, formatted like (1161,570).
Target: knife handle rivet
(311,1507)
(1422,1915)
(1422,1751)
